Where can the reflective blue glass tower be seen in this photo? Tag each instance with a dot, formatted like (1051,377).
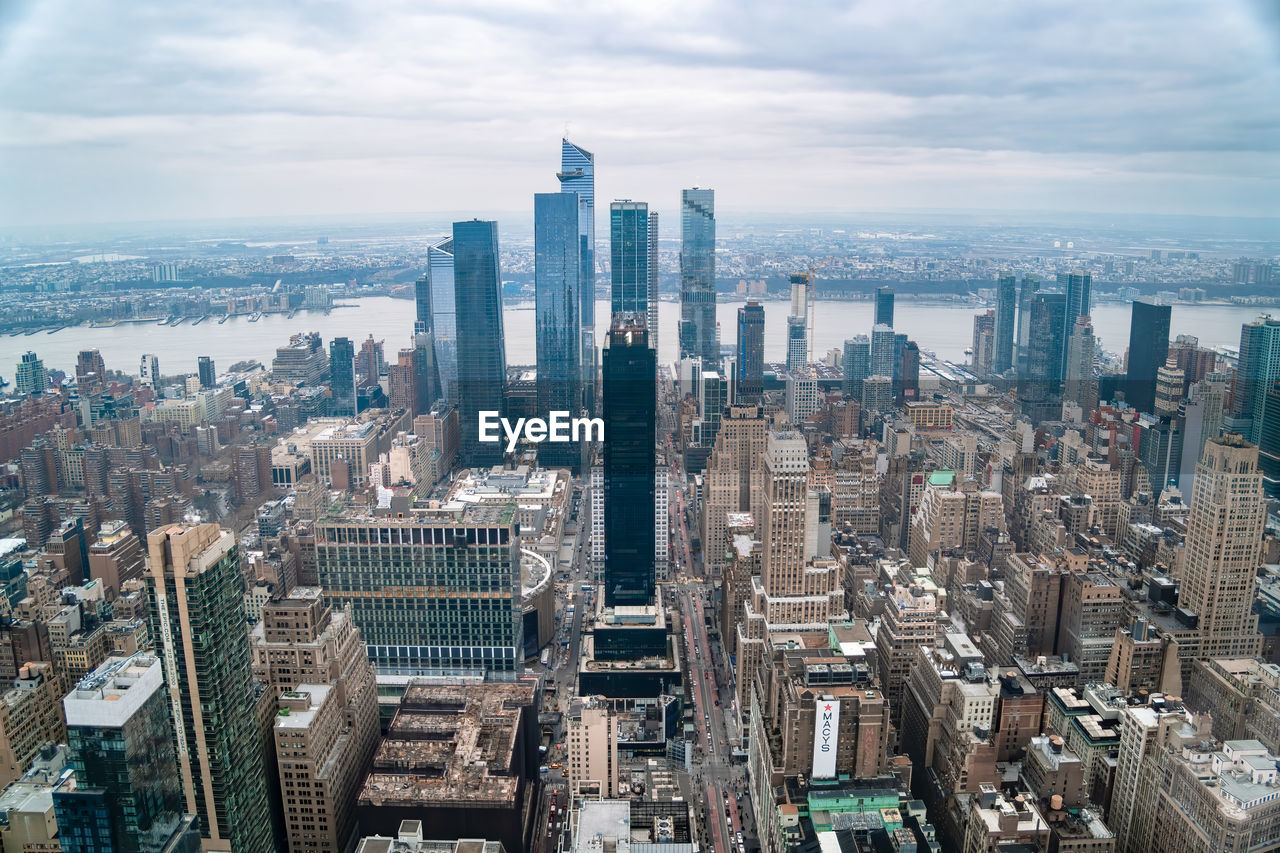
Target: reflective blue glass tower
(698,277)
(577,175)
(557,281)
(342,378)
(444,321)
(1006,321)
(751,351)
(629,257)
(482,361)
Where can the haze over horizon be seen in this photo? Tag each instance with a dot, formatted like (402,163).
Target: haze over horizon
(151,112)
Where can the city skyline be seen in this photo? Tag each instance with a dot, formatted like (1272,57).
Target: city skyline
(339,111)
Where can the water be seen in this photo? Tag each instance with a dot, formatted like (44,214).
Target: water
(944,329)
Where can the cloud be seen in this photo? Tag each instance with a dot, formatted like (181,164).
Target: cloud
(164,110)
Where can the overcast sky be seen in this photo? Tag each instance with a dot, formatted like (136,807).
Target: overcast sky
(168,110)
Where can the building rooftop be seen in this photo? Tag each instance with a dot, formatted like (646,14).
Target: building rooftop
(112,693)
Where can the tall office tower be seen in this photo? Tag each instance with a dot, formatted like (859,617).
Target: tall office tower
(1081,383)
(1202,418)
(208,376)
(422,319)
(1079,289)
(856,365)
(731,481)
(750,351)
(557,277)
(629,257)
(90,367)
(1040,386)
(149,371)
(884,306)
(1224,541)
(327,728)
(653,280)
(906,382)
(128,794)
(426,372)
(577,175)
(1148,351)
(1160,450)
(444,319)
(1022,351)
(342,378)
(698,277)
(629,391)
(30,377)
(1257,370)
(1169,386)
(196,615)
(432,591)
(797,344)
(1006,321)
(371,361)
(984,342)
(482,354)
(882,351)
(402,382)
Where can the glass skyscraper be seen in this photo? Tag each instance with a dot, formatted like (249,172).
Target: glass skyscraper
(751,351)
(884,306)
(629,392)
(698,277)
(444,321)
(1148,351)
(883,351)
(653,279)
(342,378)
(1040,389)
(1006,321)
(577,175)
(857,365)
(1030,286)
(557,279)
(482,361)
(629,257)
(1079,287)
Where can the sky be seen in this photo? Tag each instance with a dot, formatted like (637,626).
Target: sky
(153,111)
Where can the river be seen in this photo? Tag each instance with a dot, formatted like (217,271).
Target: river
(942,328)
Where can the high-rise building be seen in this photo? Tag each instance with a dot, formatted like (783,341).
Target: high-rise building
(1006,321)
(653,280)
(1079,289)
(1223,548)
(342,378)
(432,591)
(90,368)
(128,794)
(731,481)
(698,277)
(593,747)
(1022,351)
(883,362)
(629,257)
(797,344)
(197,619)
(1081,382)
(750,351)
(1202,420)
(884,306)
(1169,385)
(423,319)
(557,277)
(444,318)
(149,371)
(577,175)
(482,359)
(629,391)
(1148,351)
(1258,367)
(1041,385)
(208,375)
(856,365)
(984,342)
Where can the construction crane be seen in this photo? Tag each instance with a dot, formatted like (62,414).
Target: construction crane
(813,312)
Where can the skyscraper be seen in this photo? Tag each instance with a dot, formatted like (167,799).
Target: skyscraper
(577,175)
(1223,550)
(1006,321)
(984,346)
(197,617)
(557,277)
(882,351)
(1079,287)
(128,793)
(444,320)
(629,394)
(1040,387)
(208,376)
(653,280)
(1081,383)
(482,359)
(1030,285)
(856,365)
(149,371)
(342,378)
(798,323)
(1257,370)
(698,277)
(629,257)
(30,376)
(884,306)
(1148,351)
(751,351)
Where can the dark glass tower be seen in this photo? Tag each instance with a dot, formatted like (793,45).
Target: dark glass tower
(422,303)
(1040,389)
(751,352)
(577,175)
(1006,321)
(629,257)
(857,366)
(444,318)
(482,360)
(1148,351)
(630,410)
(698,277)
(557,278)
(1079,300)
(208,375)
(884,306)
(1030,286)
(342,378)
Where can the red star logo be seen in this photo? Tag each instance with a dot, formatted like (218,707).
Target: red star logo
(827,708)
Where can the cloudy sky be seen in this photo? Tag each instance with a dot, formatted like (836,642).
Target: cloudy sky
(171,110)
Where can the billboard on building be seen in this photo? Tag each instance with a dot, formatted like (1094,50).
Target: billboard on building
(826,737)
